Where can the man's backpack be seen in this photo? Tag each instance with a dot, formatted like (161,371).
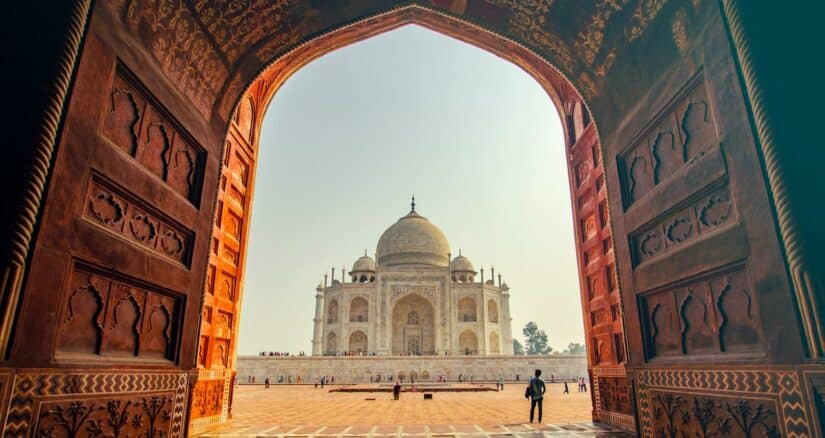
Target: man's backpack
(528,392)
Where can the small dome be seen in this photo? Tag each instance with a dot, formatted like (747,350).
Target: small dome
(462,263)
(364,263)
(413,240)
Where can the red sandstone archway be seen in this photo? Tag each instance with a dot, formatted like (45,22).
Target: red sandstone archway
(125,178)
(585,170)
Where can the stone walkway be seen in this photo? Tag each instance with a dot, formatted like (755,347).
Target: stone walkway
(303,411)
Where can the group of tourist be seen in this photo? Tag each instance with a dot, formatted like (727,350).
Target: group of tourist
(582,384)
(280,353)
(353,353)
(324,380)
(267,381)
(462,378)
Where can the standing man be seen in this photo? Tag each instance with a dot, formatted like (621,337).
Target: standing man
(536,393)
(500,383)
(396,390)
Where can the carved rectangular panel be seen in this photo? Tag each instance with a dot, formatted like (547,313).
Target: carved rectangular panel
(135,122)
(683,226)
(108,316)
(679,135)
(122,213)
(678,415)
(207,399)
(709,315)
(614,395)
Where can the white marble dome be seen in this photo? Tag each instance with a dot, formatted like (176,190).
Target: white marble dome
(462,263)
(413,240)
(364,264)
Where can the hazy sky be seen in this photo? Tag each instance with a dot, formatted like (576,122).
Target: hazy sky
(352,135)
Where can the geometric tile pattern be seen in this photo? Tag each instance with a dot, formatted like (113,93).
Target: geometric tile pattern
(30,390)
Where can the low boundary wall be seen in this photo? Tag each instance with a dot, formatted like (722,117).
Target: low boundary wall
(360,369)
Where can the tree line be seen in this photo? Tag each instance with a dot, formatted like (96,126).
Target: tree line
(535,342)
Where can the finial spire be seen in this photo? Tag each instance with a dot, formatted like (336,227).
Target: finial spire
(459,252)
(365,252)
(412,204)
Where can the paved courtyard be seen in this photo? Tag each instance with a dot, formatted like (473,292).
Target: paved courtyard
(293,410)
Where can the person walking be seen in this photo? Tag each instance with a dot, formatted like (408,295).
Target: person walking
(535,391)
(584,385)
(500,383)
(566,390)
(396,390)
(266,383)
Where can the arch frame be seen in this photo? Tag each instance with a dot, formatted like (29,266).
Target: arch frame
(562,89)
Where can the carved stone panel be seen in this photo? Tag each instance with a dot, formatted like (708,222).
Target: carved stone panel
(614,395)
(701,216)
(679,415)
(93,403)
(106,316)
(680,134)
(207,399)
(122,213)
(683,402)
(149,415)
(136,123)
(708,315)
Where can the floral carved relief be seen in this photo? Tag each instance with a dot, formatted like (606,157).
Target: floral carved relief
(149,416)
(677,415)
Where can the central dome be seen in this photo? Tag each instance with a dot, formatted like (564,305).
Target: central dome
(413,240)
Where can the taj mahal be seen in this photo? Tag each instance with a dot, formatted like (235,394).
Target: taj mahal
(412,299)
(412,311)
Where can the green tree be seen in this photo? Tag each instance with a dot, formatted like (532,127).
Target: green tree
(535,340)
(517,347)
(574,348)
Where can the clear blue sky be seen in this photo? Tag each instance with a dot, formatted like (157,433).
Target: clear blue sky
(352,135)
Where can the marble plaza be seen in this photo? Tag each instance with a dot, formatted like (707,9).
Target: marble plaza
(302,410)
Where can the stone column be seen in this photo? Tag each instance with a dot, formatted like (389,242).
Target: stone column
(318,333)
(504,322)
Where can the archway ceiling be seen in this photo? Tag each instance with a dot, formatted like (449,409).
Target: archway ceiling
(211,49)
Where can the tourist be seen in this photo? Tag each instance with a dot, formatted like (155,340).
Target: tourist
(566,390)
(396,390)
(266,383)
(535,391)
(584,385)
(500,383)
(517,377)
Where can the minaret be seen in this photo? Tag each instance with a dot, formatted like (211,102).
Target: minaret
(318,332)
(505,321)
